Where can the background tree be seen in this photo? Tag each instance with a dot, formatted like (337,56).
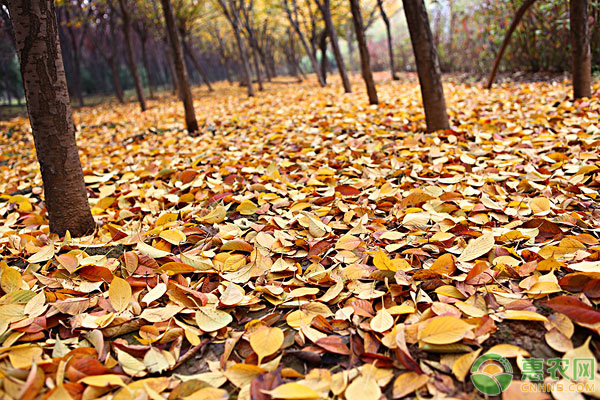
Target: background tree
(428,67)
(365,62)
(580,49)
(184,86)
(36,37)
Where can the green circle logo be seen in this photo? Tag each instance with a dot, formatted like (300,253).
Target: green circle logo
(491,374)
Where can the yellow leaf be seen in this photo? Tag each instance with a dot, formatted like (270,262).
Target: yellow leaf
(173,236)
(507,350)
(22,357)
(462,365)
(522,315)
(363,388)
(11,280)
(247,207)
(444,330)
(44,254)
(293,391)
(103,380)
(407,383)
(119,294)
(540,206)
(266,341)
(150,251)
(383,262)
(382,321)
(209,319)
(477,247)
(208,393)
(216,215)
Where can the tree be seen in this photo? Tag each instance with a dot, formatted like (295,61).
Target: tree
(428,67)
(325,8)
(130,56)
(184,86)
(365,62)
(388,31)
(513,25)
(36,37)
(580,49)
(292,13)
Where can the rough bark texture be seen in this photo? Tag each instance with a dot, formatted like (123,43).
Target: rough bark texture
(36,37)
(428,67)
(388,31)
(325,8)
(365,62)
(184,86)
(580,48)
(513,25)
(130,57)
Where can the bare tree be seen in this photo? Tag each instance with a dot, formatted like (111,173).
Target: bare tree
(36,37)
(428,67)
(388,31)
(580,48)
(184,86)
(365,62)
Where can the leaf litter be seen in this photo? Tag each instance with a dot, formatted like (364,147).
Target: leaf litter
(328,247)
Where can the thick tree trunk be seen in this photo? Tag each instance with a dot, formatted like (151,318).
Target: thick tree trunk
(428,66)
(513,25)
(365,62)
(388,31)
(115,78)
(185,91)
(188,50)
(36,36)
(130,56)
(325,8)
(580,49)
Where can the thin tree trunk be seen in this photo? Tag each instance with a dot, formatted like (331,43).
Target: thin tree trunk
(513,25)
(296,71)
(116,81)
(257,69)
(76,60)
(144,40)
(388,30)
(188,50)
(323,48)
(580,49)
(36,35)
(244,57)
(171,66)
(365,62)
(185,91)
(294,21)
(428,66)
(325,9)
(130,57)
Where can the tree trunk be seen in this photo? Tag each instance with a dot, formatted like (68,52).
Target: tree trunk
(580,49)
(188,50)
(257,69)
(388,30)
(116,81)
(185,91)
(76,59)
(428,67)
(171,66)
(513,25)
(144,40)
(36,36)
(365,62)
(325,9)
(130,57)
(323,49)
(244,57)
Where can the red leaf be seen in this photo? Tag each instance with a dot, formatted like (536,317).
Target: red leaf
(592,289)
(575,309)
(333,344)
(347,190)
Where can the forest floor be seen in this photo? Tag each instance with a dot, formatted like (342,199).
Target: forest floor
(306,245)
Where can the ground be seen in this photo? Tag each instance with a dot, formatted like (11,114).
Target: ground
(305,244)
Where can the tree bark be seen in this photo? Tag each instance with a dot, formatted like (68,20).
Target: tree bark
(130,57)
(580,49)
(365,62)
(184,86)
(323,48)
(115,77)
(428,67)
(513,25)
(144,40)
(388,30)
(36,36)
(188,50)
(257,69)
(325,8)
(292,17)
